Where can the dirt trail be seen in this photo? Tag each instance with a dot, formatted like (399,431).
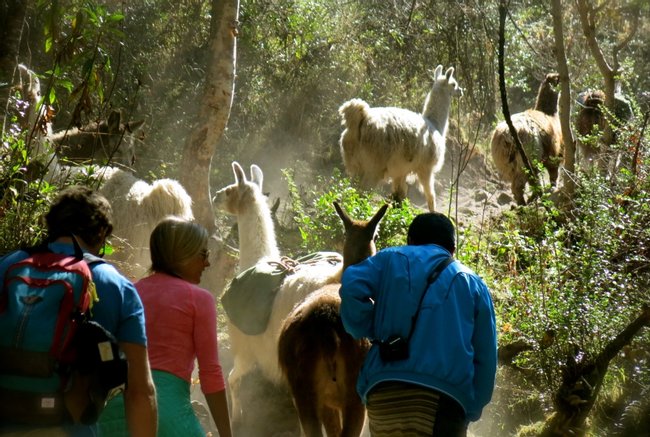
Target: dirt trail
(269,409)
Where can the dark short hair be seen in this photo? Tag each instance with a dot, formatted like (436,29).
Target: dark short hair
(82,212)
(432,228)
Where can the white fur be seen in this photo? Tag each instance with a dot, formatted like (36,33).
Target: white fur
(389,144)
(245,200)
(137,205)
(35,114)
(137,208)
(257,242)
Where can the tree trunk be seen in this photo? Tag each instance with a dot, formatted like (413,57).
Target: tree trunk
(565,98)
(531,171)
(608,70)
(214,110)
(588,24)
(12,17)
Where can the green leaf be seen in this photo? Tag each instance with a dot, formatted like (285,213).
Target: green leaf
(65,83)
(115,17)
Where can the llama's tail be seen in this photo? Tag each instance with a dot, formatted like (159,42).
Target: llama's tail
(353,112)
(504,153)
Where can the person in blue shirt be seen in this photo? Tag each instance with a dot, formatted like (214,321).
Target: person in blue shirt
(83,214)
(443,376)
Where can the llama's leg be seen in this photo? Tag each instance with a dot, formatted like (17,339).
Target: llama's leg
(427,180)
(305,401)
(331,421)
(239,369)
(518,186)
(400,189)
(354,416)
(552,174)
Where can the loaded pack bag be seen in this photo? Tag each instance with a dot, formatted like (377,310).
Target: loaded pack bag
(248,298)
(56,365)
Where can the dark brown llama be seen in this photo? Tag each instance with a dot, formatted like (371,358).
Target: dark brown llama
(540,133)
(319,359)
(592,119)
(98,142)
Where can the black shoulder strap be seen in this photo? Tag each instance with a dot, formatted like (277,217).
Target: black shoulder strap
(432,278)
(436,272)
(39,248)
(92,259)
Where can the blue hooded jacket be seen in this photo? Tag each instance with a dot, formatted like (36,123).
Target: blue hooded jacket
(453,348)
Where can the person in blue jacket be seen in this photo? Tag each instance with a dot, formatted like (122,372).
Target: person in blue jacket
(431,369)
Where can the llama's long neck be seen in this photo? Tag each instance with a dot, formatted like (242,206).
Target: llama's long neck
(546,99)
(256,235)
(44,155)
(436,109)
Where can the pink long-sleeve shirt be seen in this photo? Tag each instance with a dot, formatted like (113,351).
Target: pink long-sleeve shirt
(181,322)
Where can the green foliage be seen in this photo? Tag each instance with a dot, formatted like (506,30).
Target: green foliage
(566,282)
(22,201)
(82,39)
(320,225)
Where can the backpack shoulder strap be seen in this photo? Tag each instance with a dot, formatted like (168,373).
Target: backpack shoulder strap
(43,247)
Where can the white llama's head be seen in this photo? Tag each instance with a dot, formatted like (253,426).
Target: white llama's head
(240,195)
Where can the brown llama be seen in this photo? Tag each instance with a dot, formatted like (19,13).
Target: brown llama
(111,140)
(592,119)
(319,359)
(540,134)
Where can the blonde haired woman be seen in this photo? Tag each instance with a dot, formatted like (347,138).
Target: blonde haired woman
(181,323)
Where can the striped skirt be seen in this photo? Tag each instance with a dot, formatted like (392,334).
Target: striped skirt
(401,409)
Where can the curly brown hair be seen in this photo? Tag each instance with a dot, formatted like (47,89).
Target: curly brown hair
(82,212)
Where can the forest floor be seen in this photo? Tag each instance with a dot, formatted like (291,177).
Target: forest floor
(480,195)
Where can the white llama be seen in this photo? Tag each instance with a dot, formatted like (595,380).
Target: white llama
(390,144)
(137,205)
(257,243)
(137,208)
(245,200)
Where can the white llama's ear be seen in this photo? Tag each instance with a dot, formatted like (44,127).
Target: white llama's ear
(240,177)
(449,72)
(257,176)
(437,72)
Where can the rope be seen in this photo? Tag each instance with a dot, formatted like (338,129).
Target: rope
(291,266)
